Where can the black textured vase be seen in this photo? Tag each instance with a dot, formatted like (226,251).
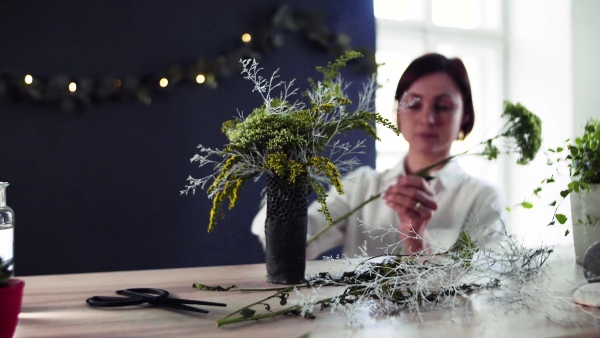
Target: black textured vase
(285,230)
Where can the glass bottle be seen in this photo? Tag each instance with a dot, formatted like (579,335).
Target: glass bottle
(7,227)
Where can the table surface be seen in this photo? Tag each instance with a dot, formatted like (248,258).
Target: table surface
(54,306)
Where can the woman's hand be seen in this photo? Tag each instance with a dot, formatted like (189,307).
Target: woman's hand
(414,201)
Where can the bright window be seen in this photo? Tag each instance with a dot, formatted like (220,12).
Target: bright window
(535,69)
(469,29)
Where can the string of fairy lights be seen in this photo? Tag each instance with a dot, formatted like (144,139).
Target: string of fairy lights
(76,94)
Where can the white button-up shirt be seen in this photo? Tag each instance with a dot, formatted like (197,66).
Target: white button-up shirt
(464,203)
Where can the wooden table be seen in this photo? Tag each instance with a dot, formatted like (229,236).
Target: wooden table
(54,306)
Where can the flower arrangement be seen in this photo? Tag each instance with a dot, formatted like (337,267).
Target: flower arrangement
(291,139)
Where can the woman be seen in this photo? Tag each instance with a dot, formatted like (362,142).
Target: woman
(435,108)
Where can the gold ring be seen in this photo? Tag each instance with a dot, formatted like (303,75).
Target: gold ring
(417,206)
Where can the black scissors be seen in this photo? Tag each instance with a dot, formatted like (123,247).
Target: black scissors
(152,296)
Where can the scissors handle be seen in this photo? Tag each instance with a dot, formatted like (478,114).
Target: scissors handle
(162,297)
(152,296)
(107,301)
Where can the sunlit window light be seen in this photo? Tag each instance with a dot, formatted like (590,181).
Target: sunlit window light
(456,13)
(28,79)
(72,87)
(401,10)
(246,37)
(200,78)
(163,82)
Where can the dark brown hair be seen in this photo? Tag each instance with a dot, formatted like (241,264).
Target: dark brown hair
(433,63)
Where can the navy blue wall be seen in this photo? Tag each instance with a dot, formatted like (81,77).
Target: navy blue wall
(99,190)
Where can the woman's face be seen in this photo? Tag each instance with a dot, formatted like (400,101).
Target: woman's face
(430,114)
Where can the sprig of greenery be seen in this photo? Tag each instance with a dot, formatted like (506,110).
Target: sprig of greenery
(387,284)
(289,139)
(521,134)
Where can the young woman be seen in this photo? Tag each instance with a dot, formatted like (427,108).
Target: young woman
(435,108)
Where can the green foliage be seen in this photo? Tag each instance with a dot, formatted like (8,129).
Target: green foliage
(464,248)
(526,205)
(290,139)
(205,287)
(561,218)
(582,156)
(525,128)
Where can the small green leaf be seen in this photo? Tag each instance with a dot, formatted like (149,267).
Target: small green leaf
(526,205)
(553,204)
(212,288)
(586,186)
(565,193)
(561,218)
(574,151)
(247,313)
(537,190)
(567,232)
(508,209)
(559,149)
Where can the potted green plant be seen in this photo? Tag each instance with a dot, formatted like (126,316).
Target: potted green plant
(582,157)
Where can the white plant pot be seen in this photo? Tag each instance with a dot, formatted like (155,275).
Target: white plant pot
(583,204)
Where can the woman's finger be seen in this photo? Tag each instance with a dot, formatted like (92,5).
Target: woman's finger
(410,197)
(407,206)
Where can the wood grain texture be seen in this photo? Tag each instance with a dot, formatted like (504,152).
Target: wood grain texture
(54,306)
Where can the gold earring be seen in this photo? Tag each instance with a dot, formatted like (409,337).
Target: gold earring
(461,136)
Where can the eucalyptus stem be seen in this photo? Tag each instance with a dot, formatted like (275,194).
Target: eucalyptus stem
(290,309)
(276,294)
(205,287)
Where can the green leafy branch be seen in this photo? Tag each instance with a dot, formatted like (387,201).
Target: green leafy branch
(400,280)
(582,158)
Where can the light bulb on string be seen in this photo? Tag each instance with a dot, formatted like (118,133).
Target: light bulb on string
(117,83)
(28,79)
(163,82)
(72,87)
(246,37)
(200,78)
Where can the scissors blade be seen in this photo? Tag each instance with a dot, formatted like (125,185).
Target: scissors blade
(107,301)
(189,301)
(162,303)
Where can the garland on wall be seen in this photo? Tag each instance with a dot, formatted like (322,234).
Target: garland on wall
(75,94)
